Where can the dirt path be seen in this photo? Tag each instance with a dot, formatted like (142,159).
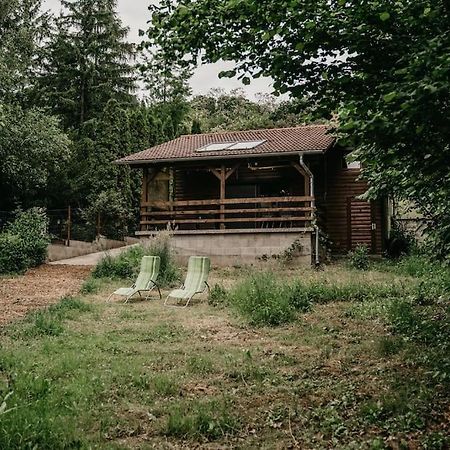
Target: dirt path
(38,288)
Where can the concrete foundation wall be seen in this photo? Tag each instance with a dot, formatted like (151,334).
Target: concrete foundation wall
(80,248)
(229,249)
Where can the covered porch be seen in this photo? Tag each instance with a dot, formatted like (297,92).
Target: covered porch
(260,194)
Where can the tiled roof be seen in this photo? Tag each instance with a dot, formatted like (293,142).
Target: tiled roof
(276,141)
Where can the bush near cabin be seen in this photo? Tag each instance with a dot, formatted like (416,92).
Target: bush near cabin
(24,242)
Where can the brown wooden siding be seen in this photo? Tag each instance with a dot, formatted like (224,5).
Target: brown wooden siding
(346,219)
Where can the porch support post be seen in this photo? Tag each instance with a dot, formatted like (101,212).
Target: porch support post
(306,178)
(149,174)
(144,196)
(223,177)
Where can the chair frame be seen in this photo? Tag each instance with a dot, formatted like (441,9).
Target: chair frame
(149,289)
(188,300)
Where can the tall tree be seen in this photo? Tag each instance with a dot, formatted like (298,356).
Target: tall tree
(89,61)
(384,66)
(23,30)
(33,152)
(164,81)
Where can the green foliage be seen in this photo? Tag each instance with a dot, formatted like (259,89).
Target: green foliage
(165,82)
(90,286)
(389,346)
(209,419)
(401,242)
(50,321)
(25,242)
(165,386)
(32,228)
(200,365)
(219,110)
(265,300)
(262,300)
(359,258)
(87,61)
(382,71)
(127,264)
(33,152)
(23,27)
(417,266)
(12,259)
(429,327)
(217,295)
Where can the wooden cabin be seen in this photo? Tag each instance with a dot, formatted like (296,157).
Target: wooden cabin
(243,195)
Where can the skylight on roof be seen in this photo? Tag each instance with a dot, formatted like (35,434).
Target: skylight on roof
(241,145)
(216,147)
(245,145)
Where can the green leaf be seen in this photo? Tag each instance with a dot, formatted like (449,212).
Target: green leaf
(246,81)
(385,16)
(389,97)
(300,46)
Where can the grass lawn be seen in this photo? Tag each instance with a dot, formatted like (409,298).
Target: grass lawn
(90,374)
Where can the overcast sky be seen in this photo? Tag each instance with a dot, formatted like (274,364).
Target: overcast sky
(134,14)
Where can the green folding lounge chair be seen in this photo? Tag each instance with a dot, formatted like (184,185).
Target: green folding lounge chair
(196,281)
(146,280)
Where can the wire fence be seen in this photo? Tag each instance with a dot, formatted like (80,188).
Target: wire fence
(71,224)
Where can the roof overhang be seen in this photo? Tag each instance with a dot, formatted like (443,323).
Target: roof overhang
(206,158)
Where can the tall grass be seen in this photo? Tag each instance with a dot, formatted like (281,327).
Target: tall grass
(127,264)
(263,299)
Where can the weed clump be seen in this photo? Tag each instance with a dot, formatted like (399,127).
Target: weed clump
(359,258)
(217,295)
(50,321)
(263,300)
(210,420)
(127,264)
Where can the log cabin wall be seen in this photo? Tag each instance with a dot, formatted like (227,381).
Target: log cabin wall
(347,220)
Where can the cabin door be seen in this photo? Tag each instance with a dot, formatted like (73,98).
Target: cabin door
(361,224)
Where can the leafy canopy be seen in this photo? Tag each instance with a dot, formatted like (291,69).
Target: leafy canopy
(381,65)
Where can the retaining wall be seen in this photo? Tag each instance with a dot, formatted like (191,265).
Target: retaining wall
(228,248)
(80,248)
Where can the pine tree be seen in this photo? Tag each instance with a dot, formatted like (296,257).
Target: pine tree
(164,81)
(89,61)
(23,30)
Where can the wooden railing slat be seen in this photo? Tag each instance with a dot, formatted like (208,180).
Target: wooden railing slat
(227,201)
(230,220)
(227,211)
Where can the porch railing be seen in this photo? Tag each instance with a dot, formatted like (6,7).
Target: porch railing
(236,213)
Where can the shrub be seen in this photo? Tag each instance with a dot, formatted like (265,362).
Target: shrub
(359,258)
(300,296)
(12,258)
(263,300)
(90,286)
(127,264)
(217,295)
(25,242)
